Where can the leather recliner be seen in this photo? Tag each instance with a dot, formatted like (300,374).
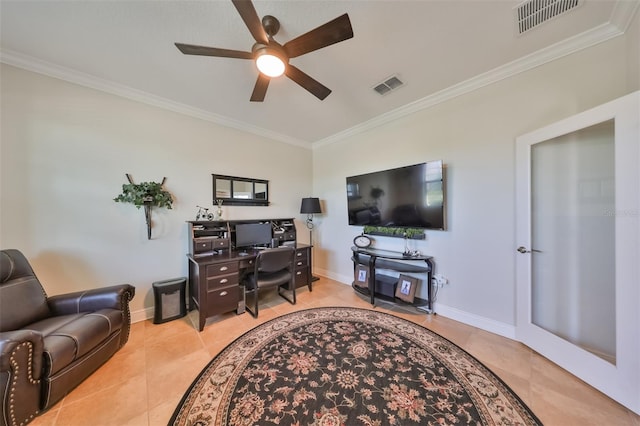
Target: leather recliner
(49,345)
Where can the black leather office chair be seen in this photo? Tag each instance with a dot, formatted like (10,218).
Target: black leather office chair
(273,268)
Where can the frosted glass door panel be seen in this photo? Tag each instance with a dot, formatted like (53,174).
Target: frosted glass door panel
(573,238)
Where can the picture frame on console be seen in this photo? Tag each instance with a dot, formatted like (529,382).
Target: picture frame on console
(406,289)
(361,276)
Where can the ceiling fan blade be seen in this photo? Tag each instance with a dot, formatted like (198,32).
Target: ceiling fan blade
(304,80)
(260,89)
(190,49)
(325,35)
(251,20)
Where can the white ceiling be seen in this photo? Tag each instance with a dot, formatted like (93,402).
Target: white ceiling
(438,48)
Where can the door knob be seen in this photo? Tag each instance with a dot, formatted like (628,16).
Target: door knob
(522,249)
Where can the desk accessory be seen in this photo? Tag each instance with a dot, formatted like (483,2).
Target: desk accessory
(362,241)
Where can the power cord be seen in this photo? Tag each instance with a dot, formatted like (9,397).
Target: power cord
(434,284)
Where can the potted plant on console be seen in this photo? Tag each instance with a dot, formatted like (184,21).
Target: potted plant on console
(397,232)
(147,194)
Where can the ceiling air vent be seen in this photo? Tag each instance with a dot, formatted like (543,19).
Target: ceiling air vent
(388,85)
(534,12)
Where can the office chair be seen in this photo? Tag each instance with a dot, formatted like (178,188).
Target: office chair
(273,268)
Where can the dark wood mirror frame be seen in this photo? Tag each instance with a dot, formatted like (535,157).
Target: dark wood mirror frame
(239,191)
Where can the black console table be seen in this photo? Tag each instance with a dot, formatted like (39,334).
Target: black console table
(395,261)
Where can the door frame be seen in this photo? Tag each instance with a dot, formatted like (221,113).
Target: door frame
(621,381)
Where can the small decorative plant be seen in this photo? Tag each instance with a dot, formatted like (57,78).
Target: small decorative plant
(147,194)
(410,233)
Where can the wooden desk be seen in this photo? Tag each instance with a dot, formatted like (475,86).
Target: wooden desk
(214,280)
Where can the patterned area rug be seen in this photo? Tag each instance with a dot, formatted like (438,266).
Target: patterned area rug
(347,366)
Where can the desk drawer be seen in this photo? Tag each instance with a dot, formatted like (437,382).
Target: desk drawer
(302,277)
(219,281)
(220,243)
(205,245)
(221,268)
(301,254)
(248,264)
(201,245)
(223,300)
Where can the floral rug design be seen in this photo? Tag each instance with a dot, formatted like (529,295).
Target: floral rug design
(351,367)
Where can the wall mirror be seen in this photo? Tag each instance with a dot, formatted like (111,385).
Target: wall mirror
(239,191)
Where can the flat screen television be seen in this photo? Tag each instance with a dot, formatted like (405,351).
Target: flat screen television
(253,235)
(409,197)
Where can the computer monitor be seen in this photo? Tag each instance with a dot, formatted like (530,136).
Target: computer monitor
(253,234)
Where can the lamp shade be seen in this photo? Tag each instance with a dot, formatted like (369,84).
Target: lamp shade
(310,206)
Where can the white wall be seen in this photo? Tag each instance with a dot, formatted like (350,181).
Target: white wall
(632,36)
(475,136)
(65,150)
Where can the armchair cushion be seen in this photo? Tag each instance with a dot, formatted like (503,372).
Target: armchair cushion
(70,337)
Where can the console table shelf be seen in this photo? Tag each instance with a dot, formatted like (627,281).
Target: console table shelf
(398,262)
(417,302)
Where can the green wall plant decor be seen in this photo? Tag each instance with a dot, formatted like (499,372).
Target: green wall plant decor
(147,195)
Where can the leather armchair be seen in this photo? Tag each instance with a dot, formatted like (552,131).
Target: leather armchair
(49,345)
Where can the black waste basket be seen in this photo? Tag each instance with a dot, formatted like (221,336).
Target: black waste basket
(169,297)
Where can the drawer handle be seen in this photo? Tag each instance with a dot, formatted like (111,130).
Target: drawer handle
(298,254)
(224,268)
(224,280)
(298,273)
(299,263)
(223,293)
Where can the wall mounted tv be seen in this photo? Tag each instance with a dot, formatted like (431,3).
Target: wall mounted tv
(410,197)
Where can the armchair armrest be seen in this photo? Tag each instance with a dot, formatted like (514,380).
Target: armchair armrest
(114,297)
(10,345)
(20,372)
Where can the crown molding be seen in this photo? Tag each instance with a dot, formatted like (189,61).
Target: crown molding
(623,13)
(621,17)
(566,47)
(30,63)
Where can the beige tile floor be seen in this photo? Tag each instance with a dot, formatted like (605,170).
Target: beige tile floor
(145,380)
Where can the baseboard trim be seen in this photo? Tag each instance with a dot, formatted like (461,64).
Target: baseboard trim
(142,315)
(483,323)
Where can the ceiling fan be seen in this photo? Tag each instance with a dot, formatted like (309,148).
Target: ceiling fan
(272,58)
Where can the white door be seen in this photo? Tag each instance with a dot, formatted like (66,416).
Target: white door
(578,243)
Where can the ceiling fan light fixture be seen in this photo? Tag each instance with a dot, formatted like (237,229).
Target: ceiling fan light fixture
(269,62)
(272,58)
